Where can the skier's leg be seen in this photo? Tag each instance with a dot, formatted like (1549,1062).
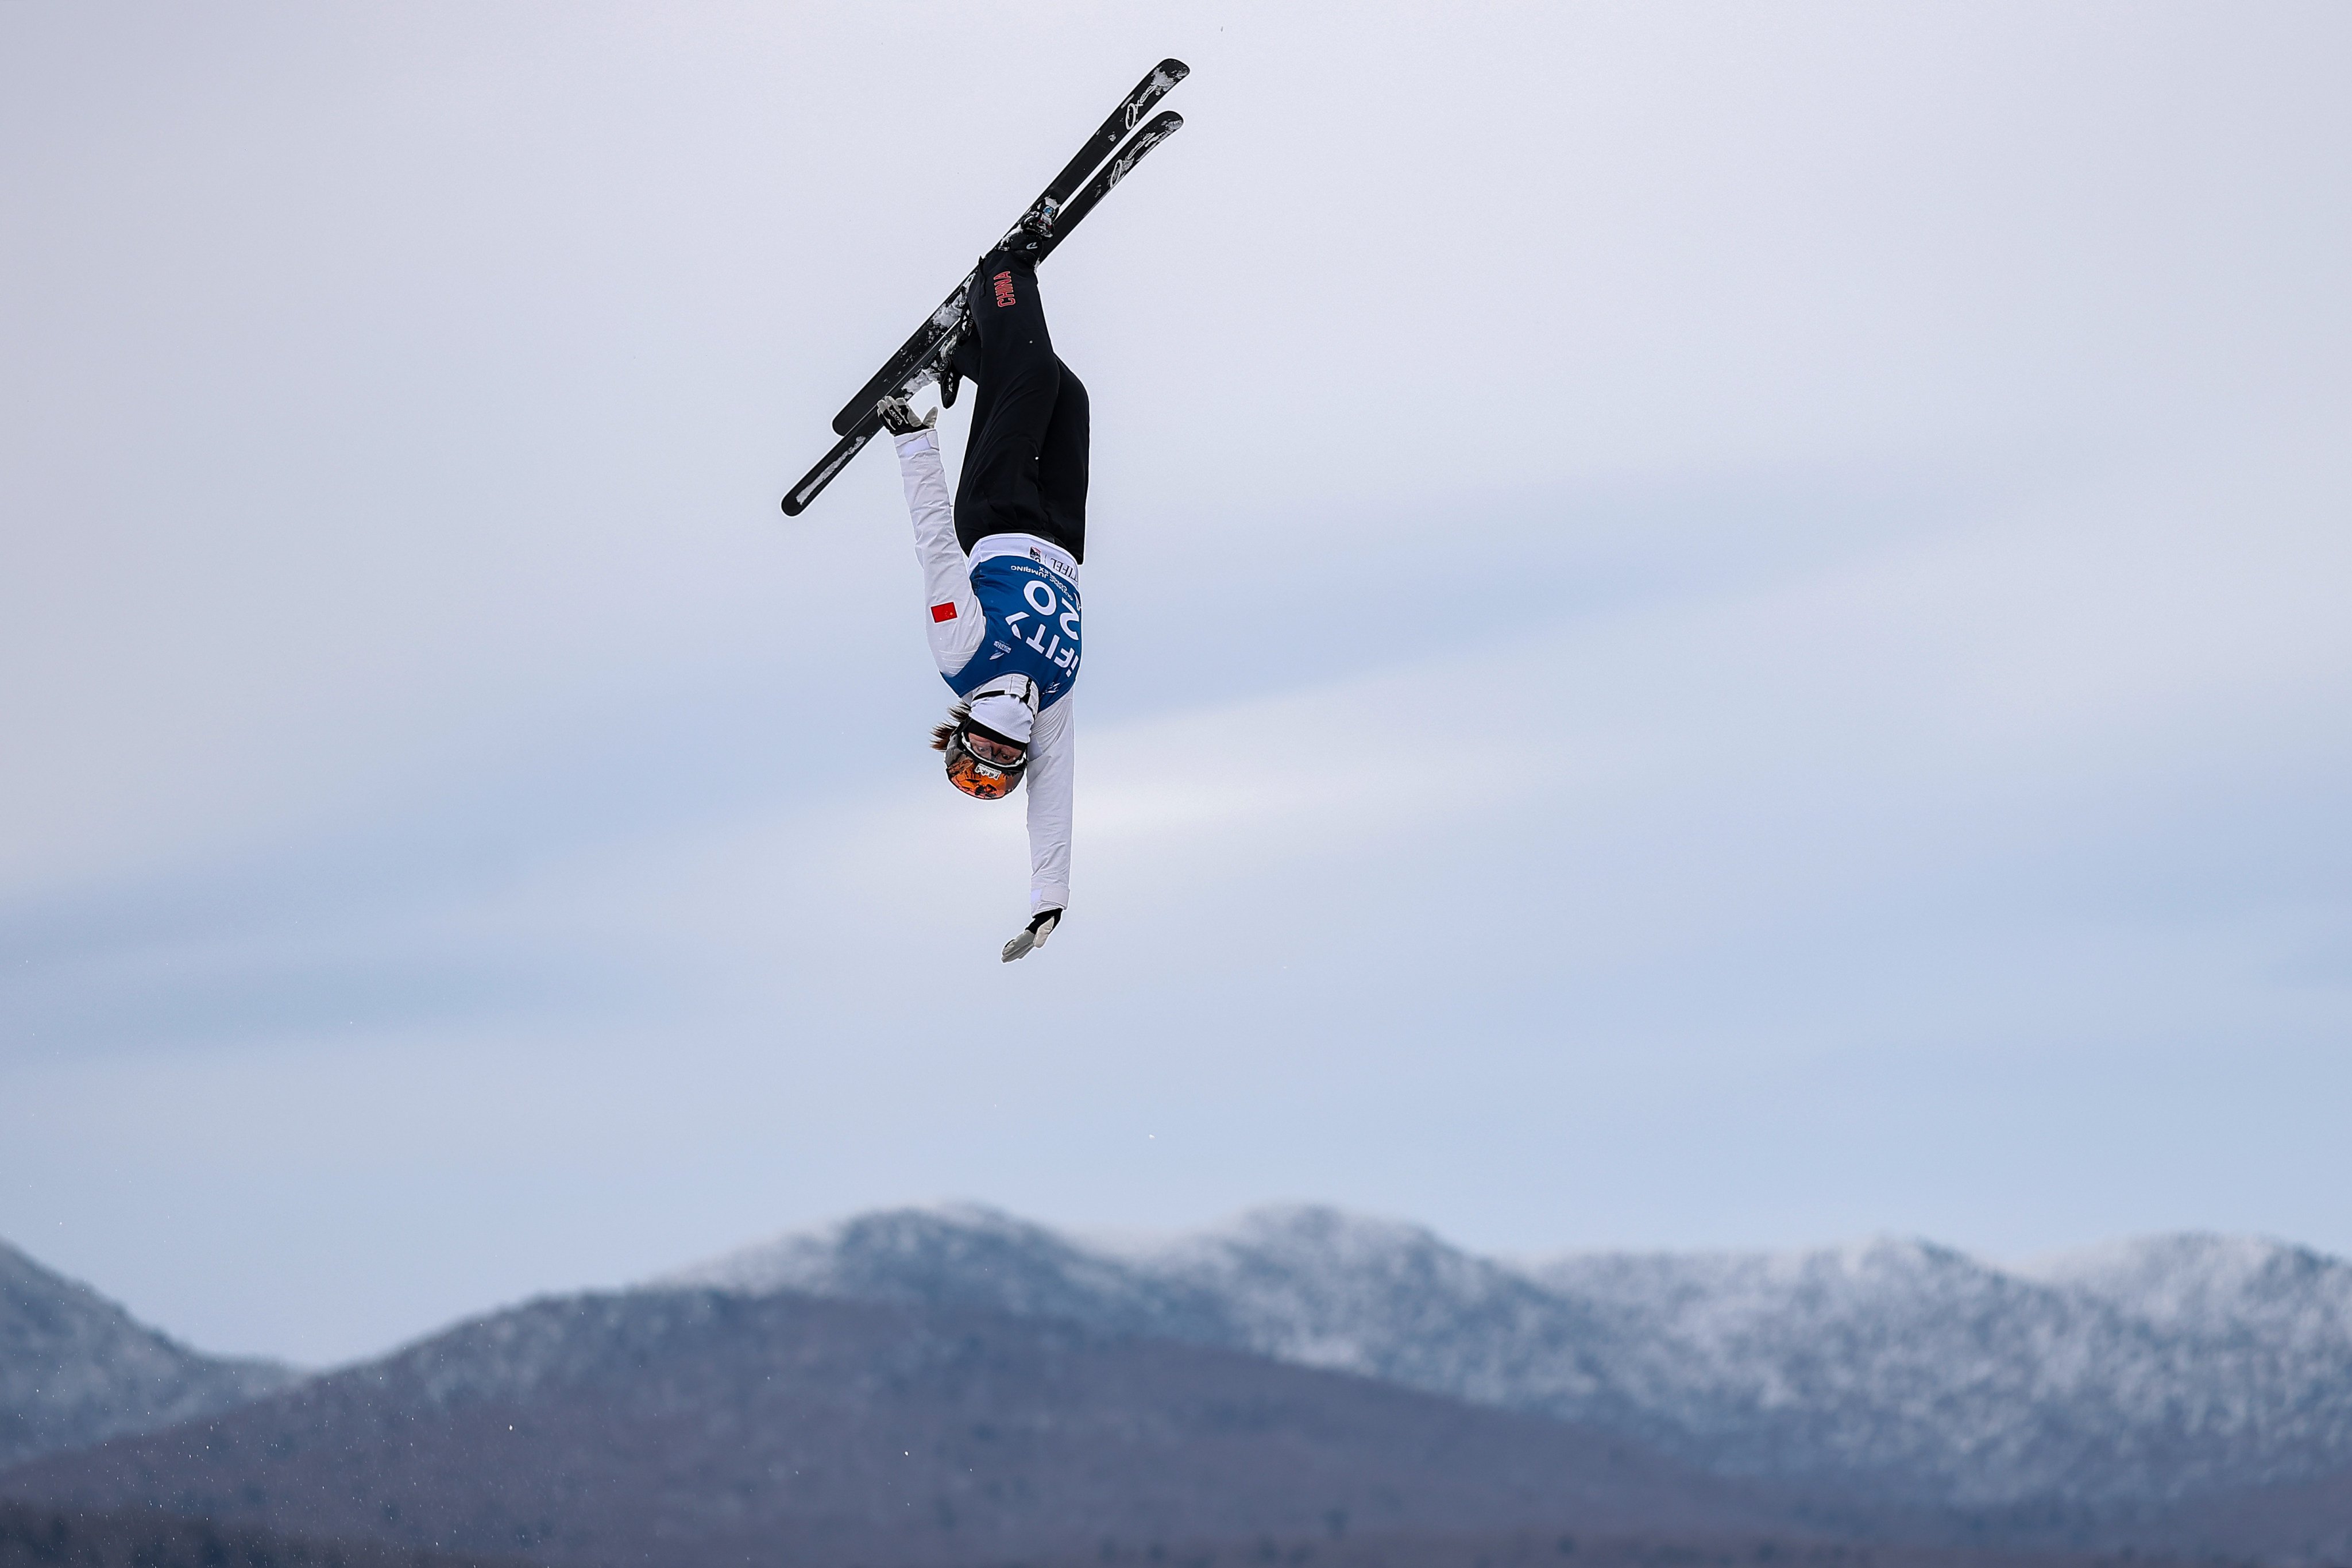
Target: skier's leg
(1062,467)
(1020,381)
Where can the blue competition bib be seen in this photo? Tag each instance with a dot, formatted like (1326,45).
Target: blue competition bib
(1032,629)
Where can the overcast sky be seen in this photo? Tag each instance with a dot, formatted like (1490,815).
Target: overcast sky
(1708,626)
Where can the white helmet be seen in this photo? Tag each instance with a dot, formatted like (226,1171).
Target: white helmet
(987,737)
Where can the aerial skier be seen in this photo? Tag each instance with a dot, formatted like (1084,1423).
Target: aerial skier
(1000,558)
(1000,563)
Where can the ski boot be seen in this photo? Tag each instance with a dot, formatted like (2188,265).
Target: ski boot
(1029,237)
(963,361)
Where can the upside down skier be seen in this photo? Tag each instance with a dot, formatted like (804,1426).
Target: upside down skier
(1000,565)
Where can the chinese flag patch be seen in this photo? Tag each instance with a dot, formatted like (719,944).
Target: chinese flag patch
(943,611)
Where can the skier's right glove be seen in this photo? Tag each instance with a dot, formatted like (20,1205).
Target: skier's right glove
(1039,930)
(899,419)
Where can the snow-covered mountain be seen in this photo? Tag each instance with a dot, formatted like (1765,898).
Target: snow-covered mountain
(1393,1300)
(1305,1285)
(2130,1374)
(969,1257)
(76,1369)
(1900,1360)
(710,1430)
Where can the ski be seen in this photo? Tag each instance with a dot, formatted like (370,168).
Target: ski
(1156,85)
(816,479)
(924,359)
(1162,127)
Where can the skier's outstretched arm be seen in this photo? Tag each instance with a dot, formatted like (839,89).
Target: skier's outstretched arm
(1052,748)
(953,615)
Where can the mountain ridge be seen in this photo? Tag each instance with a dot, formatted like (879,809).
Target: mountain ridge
(703,1427)
(2105,1390)
(2140,1371)
(76,1368)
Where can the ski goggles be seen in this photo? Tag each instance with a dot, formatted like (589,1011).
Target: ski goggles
(980,779)
(991,749)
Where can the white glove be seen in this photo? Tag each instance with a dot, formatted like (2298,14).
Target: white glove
(1034,936)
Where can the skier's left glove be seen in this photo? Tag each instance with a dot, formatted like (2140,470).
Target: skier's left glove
(1034,936)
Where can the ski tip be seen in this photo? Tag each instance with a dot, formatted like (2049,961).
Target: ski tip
(790,510)
(1173,67)
(1152,133)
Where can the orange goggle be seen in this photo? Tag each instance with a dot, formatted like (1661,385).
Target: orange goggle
(982,781)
